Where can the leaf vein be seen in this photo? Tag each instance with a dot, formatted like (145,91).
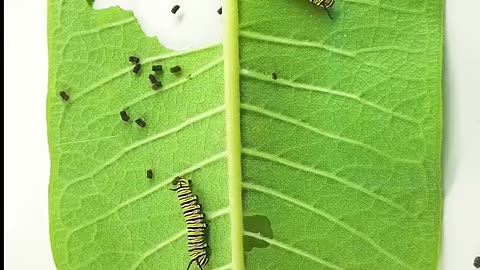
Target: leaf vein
(292,42)
(148,192)
(173,130)
(313,44)
(293,250)
(366,238)
(97,30)
(301,167)
(126,70)
(88,140)
(149,252)
(316,130)
(179,82)
(302,86)
(387,7)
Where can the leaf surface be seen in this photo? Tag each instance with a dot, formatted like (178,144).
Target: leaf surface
(342,150)
(339,163)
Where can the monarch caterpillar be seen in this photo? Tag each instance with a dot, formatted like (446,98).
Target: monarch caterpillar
(195,222)
(326,4)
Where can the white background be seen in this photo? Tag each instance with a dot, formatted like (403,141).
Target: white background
(26,151)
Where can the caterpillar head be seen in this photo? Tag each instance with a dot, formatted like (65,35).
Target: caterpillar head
(180,181)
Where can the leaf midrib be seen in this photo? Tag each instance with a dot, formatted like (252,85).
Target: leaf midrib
(232,119)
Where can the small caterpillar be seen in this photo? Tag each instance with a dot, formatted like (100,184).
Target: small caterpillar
(195,222)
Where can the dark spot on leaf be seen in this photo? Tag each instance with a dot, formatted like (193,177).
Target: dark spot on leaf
(157,85)
(136,68)
(90,2)
(141,123)
(133,59)
(64,96)
(176,69)
(124,116)
(175,9)
(152,78)
(157,68)
(150,174)
(256,224)
(476,262)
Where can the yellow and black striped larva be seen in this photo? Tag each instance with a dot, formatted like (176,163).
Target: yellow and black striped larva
(197,246)
(326,4)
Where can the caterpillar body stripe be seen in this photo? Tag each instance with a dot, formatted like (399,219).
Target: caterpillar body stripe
(195,222)
(325,4)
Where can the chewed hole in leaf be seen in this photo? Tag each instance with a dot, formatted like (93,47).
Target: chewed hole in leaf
(256,224)
(194,24)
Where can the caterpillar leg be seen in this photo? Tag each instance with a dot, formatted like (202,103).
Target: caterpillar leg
(189,264)
(326,9)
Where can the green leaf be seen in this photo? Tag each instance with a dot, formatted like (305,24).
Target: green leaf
(335,164)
